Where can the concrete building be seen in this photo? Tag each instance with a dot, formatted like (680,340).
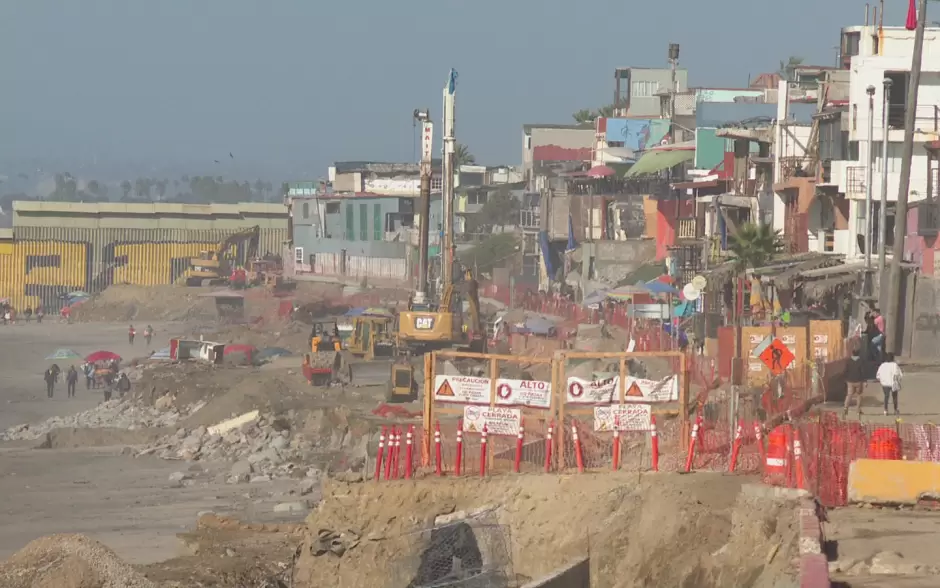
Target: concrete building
(548,147)
(59,247)
(387,179)
(638,90)
(870,55)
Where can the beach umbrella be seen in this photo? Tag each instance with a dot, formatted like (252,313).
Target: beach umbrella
(658,287)
(63,354)
(102,356)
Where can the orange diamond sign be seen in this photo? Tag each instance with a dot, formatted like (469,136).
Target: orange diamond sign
(777,357)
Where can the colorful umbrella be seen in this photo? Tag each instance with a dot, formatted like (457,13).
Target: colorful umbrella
(102,356)
(63,354)
(600,171)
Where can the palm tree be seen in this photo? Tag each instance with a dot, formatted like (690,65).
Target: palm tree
(462,156)
(126,187)
(584,116)
(606,111)
(788,68)
(753,246)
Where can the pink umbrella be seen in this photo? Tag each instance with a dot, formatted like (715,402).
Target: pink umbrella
(600,171)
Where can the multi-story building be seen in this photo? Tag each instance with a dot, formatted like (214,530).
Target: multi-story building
(638,90)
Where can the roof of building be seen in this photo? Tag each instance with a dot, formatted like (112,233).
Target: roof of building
(136,208)
(380,167)
(576,127)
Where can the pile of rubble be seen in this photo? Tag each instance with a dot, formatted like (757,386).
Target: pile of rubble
(116,414)
(261,446)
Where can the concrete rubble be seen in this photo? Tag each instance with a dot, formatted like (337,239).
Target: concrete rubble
(116,414)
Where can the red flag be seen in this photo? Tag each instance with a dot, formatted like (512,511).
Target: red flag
(911,23)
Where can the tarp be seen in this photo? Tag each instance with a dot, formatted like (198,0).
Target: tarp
(161,354)
(272,352)
(62,354)
(656,161)
(659,287)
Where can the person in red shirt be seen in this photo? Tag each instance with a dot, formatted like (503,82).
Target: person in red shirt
(66,314)
(131,333)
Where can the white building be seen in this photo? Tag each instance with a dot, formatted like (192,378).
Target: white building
(872,56)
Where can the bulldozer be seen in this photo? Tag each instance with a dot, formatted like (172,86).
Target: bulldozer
(213,268)
(373,336)
(402,386)
(327,362)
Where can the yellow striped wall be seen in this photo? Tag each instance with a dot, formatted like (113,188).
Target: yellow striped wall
(42,263)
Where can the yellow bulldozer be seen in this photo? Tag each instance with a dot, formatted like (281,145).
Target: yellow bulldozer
(437,327)
(373,336)
(214,267)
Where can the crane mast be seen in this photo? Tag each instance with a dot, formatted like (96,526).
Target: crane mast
(424,205)
(449,176)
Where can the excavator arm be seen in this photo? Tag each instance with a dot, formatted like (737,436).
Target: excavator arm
(251,235)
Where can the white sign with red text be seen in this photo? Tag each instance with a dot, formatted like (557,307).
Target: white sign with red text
(607,391)
(471,390)
(632,416)
(498,420)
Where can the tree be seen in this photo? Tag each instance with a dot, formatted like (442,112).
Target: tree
(584,116)
(462,156)
(606,111)
(499,250)
(501,208)
(754,246)
(161,188)
(126,188)
(788,68)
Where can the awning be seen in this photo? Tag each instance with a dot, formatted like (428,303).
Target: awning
(819,288)
(656,161)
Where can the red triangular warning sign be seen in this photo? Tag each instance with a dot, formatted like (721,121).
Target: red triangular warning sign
(445,389)
(634,391)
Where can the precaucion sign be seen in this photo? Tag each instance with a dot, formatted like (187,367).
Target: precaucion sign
(470,390)
(632,416)
(498,421)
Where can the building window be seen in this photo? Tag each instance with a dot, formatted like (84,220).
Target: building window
(643,89)
(305,210)
(437,183)
(363,222)
(332,207)
(897,105)
(299,254)
(377,223)
(350,224)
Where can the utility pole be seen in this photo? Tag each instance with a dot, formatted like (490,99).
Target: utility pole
(883,206)
(869,180)
(896,310)
(424,205)
(673,89)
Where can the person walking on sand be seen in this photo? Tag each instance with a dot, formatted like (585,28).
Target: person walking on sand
(855,381)
(71,378)
(49,377)
(889,376)
(131,333)
(39,314)
(148,334)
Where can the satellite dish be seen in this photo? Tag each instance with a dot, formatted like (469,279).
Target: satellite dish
(690,292)
(699,282)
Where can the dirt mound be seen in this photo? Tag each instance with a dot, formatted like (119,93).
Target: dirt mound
(101,437)
(147,303)
(656,530)
(68,561)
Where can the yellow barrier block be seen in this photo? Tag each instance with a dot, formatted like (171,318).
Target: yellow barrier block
(892,481)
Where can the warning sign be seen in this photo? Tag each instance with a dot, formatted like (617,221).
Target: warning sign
(470,390)
(631,416)
(637,390)
(777,357)
(498,421)
(592,391)
(462,389)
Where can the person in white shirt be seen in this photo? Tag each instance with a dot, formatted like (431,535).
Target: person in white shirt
(889,376)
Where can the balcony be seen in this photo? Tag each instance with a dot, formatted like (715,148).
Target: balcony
(688,229)
(793,166)
(854,180)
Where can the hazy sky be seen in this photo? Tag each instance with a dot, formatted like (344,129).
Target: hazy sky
(292,85)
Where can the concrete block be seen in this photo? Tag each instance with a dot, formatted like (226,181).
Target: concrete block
(764,492)
(880,481)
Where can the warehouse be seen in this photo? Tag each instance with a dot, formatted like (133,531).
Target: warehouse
(59,247)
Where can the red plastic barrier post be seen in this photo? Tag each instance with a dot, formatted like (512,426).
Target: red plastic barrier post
(409,452)
(483,452)
(397,462)
(798,460)
(438,459)
(759,435)
(738,438)
(519,439)
(548,447)
(579,457)
(616,451)
(654,444)
(379,455)
(458,461)
(391,453)
(691,456)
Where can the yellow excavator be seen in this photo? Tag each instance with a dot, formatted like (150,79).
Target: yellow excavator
(437,327)
(213,268)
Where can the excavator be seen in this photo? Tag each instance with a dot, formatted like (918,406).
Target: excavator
(213,268)
(438,326)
